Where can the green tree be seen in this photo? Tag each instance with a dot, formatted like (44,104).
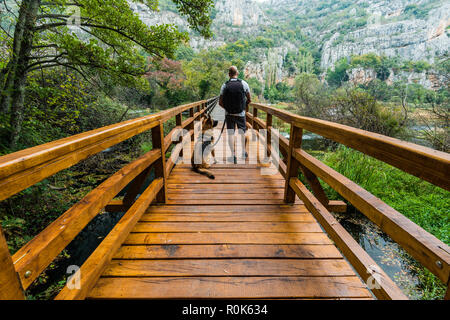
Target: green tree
(359,109)
(206,73)
(255,86)
(305,61)
(311,96)
(89,37)
(339,75)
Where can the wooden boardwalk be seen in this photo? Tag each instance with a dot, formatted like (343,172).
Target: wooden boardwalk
(228,238)
(244,235)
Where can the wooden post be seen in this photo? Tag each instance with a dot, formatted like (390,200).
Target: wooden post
(135,187)
(179,120)
(10,286)
(160,164)
(269,134)
(295,142)
(315,185)
(179,123)
(192,124)
(255,115)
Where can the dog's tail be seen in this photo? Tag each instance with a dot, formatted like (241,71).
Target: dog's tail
(204,172)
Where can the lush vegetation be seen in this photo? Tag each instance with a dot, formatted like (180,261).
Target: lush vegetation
(57,80)
(421,202)
(67,67)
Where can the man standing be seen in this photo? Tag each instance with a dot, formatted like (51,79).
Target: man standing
(234,98)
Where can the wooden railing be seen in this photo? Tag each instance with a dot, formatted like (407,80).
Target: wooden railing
(427,164)
(23,169)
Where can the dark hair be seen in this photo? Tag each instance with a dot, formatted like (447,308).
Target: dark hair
(232,71)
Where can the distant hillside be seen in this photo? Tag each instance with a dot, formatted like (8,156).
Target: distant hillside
(327,29)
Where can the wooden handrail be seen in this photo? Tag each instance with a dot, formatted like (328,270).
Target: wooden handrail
(425,163)
(23,169)
(424,247)
(383,287)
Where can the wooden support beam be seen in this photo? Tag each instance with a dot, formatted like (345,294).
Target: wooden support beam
(135,187)
(425,163)
(423,246)
(92,269)
(20,161)
(11,288)
(283,143)
(254,116)
(179,120)
(315,185)
(336,206)
(178,152)
(381,285)
(116,206)
(179,124)
(293,165)
(160,164)
(269,134)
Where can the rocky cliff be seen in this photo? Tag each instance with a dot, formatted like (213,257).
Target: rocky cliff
(410,29)
(416,39)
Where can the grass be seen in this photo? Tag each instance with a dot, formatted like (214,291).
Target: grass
(423,203)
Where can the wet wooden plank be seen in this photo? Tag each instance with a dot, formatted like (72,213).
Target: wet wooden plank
(228,217)
(225,196)
(228,202)
(227,238)
(229,287)
(272,227)
(222,180)
(228,251)
(233,187)
(227,189)
(228,267)
(227,209)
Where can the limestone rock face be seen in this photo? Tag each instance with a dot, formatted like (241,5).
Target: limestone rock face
(270,66)
(389,29)
(238,13)
(361,76)
(428,79)
(155,18)
(414,39)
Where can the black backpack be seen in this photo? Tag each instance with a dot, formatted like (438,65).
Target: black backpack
(234,97)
